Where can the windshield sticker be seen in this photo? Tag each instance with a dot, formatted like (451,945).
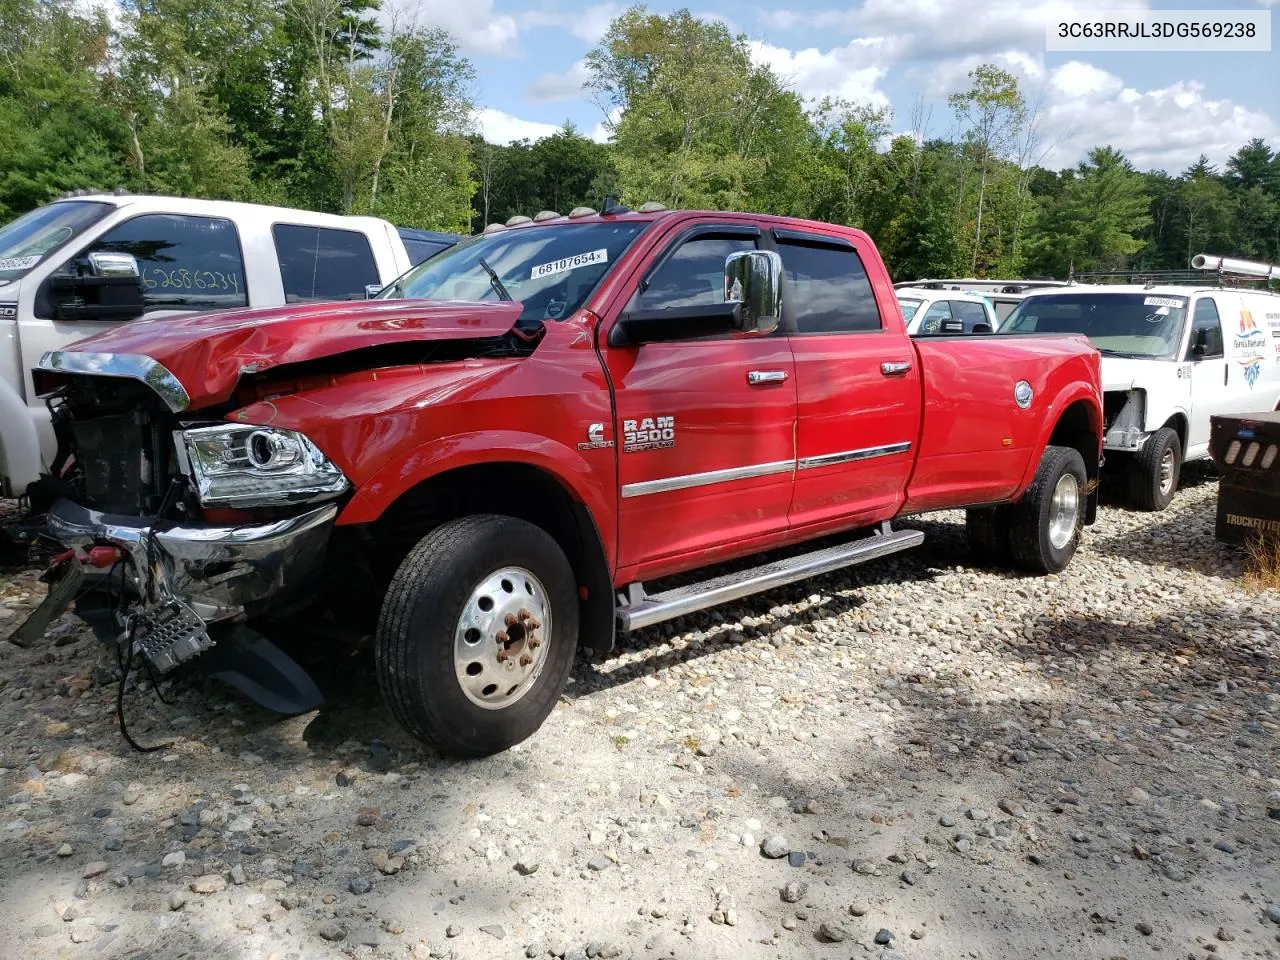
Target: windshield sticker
(19,263)
(1163,302)
(569,263)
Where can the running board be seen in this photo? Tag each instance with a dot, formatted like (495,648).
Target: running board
(637,610)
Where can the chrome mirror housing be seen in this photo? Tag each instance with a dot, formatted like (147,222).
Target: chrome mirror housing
(753,278)
(103,263)
(371,290)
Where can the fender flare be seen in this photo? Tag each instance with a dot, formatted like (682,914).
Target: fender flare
(1071,394)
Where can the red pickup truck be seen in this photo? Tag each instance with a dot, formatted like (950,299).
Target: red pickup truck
(508,452)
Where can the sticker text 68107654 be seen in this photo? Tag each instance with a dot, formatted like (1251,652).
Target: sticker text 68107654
(569,263)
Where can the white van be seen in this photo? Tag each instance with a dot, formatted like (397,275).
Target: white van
(77,266)
(930,312)
(1172,357)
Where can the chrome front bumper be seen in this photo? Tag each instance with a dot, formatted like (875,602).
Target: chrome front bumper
(217,570)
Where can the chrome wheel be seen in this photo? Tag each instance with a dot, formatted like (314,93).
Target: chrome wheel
(1168,467)
(499,645)
(1064,511)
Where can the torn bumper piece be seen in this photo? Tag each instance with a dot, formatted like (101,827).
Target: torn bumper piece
(216,571)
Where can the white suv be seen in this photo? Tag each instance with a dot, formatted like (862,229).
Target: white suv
(77,266)
(1172,357)
(941,312)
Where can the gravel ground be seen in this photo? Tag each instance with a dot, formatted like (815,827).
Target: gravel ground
(913,759)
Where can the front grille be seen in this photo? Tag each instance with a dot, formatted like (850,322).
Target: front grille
(115,446)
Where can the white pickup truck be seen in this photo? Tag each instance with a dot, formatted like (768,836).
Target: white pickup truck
(73,267)
(1172,357)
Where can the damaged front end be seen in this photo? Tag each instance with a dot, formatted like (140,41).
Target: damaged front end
(188,525)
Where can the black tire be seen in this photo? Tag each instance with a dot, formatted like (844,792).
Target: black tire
(1147,491)
(420,616)
(988,531)
(1030,518)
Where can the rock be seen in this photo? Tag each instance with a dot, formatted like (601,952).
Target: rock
(599,863)
(360,886)
(946,821)
(832,933)
(237,874)
(796,858)
(1225,935)
(775,847)
(209,883)
(367,936)
(789,923)
(884,937)
(130,796)
(917,934)
(331,930)
(494,930)
(794,891)
(908,877)
(859,909)
(95,869)
(65,850)
(452,930)
(1137,797)
(1174,872)
(1144,928)
(526,867)
(978,816)
(1273,912)
(368,816)
(175,859)
(177,899)
(866,868)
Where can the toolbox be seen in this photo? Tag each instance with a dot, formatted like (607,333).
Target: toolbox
(1246,450)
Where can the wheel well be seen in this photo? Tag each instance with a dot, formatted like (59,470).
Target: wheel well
(1076,429)
(514,490)
(1178,423)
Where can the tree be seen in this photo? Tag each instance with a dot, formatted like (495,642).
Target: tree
(994,112)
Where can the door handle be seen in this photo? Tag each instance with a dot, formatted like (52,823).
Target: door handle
(758,377)
(895,368)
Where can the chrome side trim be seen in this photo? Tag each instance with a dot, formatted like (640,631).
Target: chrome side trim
(127,366)
(646,487)
(847,456)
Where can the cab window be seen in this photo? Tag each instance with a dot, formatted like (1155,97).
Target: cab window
(935,316)
(693,275)
(829,288)
(184,262)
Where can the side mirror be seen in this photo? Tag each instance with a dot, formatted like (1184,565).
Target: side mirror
(106,264)
(952,326)
(1200,345)
(981,328)
(371,290)
(753,278)
(752,307)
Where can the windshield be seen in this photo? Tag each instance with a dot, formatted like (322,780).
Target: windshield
(25,242)
(551,270)
(909,307)
(1117,324)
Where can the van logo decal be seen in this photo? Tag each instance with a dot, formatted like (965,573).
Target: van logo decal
(1251,337)
(1247,327)
(1252,369)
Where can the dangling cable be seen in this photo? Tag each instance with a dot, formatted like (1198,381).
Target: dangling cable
(125,663)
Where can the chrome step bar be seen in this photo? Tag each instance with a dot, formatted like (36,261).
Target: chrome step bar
(636,610)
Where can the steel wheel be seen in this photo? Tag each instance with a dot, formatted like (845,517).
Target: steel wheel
(1064,511)
(1168,472)
(498,645)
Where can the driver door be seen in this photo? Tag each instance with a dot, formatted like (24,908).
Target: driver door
(1210,374)
(706,427)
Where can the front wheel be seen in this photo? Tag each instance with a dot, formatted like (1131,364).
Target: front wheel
(1156,470)
(477,634)
(1045,524)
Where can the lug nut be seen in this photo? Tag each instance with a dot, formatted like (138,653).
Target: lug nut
(534,643)
(525,614)
(501,636)
(534,624)
(526,660)
(510,619)
(502,656)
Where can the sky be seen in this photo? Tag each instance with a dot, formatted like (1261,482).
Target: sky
(1162,109)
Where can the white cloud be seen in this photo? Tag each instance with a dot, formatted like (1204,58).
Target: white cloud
(588,25)
(497,126)
(1165,129)
(852,71)
(474,24)
(557,87)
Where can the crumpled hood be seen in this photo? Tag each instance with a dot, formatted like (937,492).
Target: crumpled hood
(1125,373)
(209,352)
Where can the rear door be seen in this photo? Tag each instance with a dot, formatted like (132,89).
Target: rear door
(705,428)
(857,386)
(1211,374)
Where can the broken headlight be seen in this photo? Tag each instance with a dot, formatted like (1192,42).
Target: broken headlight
(247,466)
